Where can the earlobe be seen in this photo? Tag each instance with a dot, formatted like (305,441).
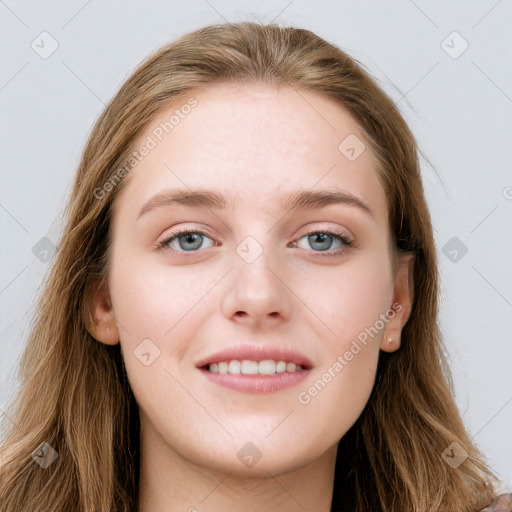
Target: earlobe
(403,296)
(390,342)
(100,321)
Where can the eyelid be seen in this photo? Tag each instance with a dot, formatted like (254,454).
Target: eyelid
(338,231)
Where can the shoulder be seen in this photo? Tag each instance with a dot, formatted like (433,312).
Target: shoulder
(502,503)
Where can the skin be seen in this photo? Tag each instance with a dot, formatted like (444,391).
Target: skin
(254,143)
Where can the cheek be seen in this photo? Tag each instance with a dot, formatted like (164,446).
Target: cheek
(352,304)
(150,300)
(157,309)
(350,299)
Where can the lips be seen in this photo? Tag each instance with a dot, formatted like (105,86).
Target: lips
(257,353)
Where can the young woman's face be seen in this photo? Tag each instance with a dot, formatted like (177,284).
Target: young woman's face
(255,272)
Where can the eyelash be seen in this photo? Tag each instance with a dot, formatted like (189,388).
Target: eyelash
(347,243)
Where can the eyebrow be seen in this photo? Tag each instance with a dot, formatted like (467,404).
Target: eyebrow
(304,199)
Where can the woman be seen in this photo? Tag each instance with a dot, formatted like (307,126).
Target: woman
(242,311)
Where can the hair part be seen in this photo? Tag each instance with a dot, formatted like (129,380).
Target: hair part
(75,393)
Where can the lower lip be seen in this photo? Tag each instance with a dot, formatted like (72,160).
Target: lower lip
(258,384)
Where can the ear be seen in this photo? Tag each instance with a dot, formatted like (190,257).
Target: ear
(100,321)
(401,305)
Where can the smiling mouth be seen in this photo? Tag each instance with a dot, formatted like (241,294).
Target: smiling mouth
(255,377)
(256,368)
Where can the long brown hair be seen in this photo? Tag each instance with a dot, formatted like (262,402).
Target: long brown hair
(75,395)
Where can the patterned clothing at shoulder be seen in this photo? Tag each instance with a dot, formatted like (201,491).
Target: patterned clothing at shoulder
(502,503)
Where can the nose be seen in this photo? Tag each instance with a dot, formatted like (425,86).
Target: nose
(256,293)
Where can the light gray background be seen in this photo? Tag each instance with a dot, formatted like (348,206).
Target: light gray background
(458,106)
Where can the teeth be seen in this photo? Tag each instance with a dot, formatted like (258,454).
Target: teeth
(234,367)
(246,367)
(249,367)
(280,367)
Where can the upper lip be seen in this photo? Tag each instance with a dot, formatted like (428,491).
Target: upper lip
(257,353)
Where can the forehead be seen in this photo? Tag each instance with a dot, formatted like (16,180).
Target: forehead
(254,143)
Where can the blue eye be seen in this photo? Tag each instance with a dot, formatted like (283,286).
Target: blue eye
(323,241)
(185,241)
(320,241)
